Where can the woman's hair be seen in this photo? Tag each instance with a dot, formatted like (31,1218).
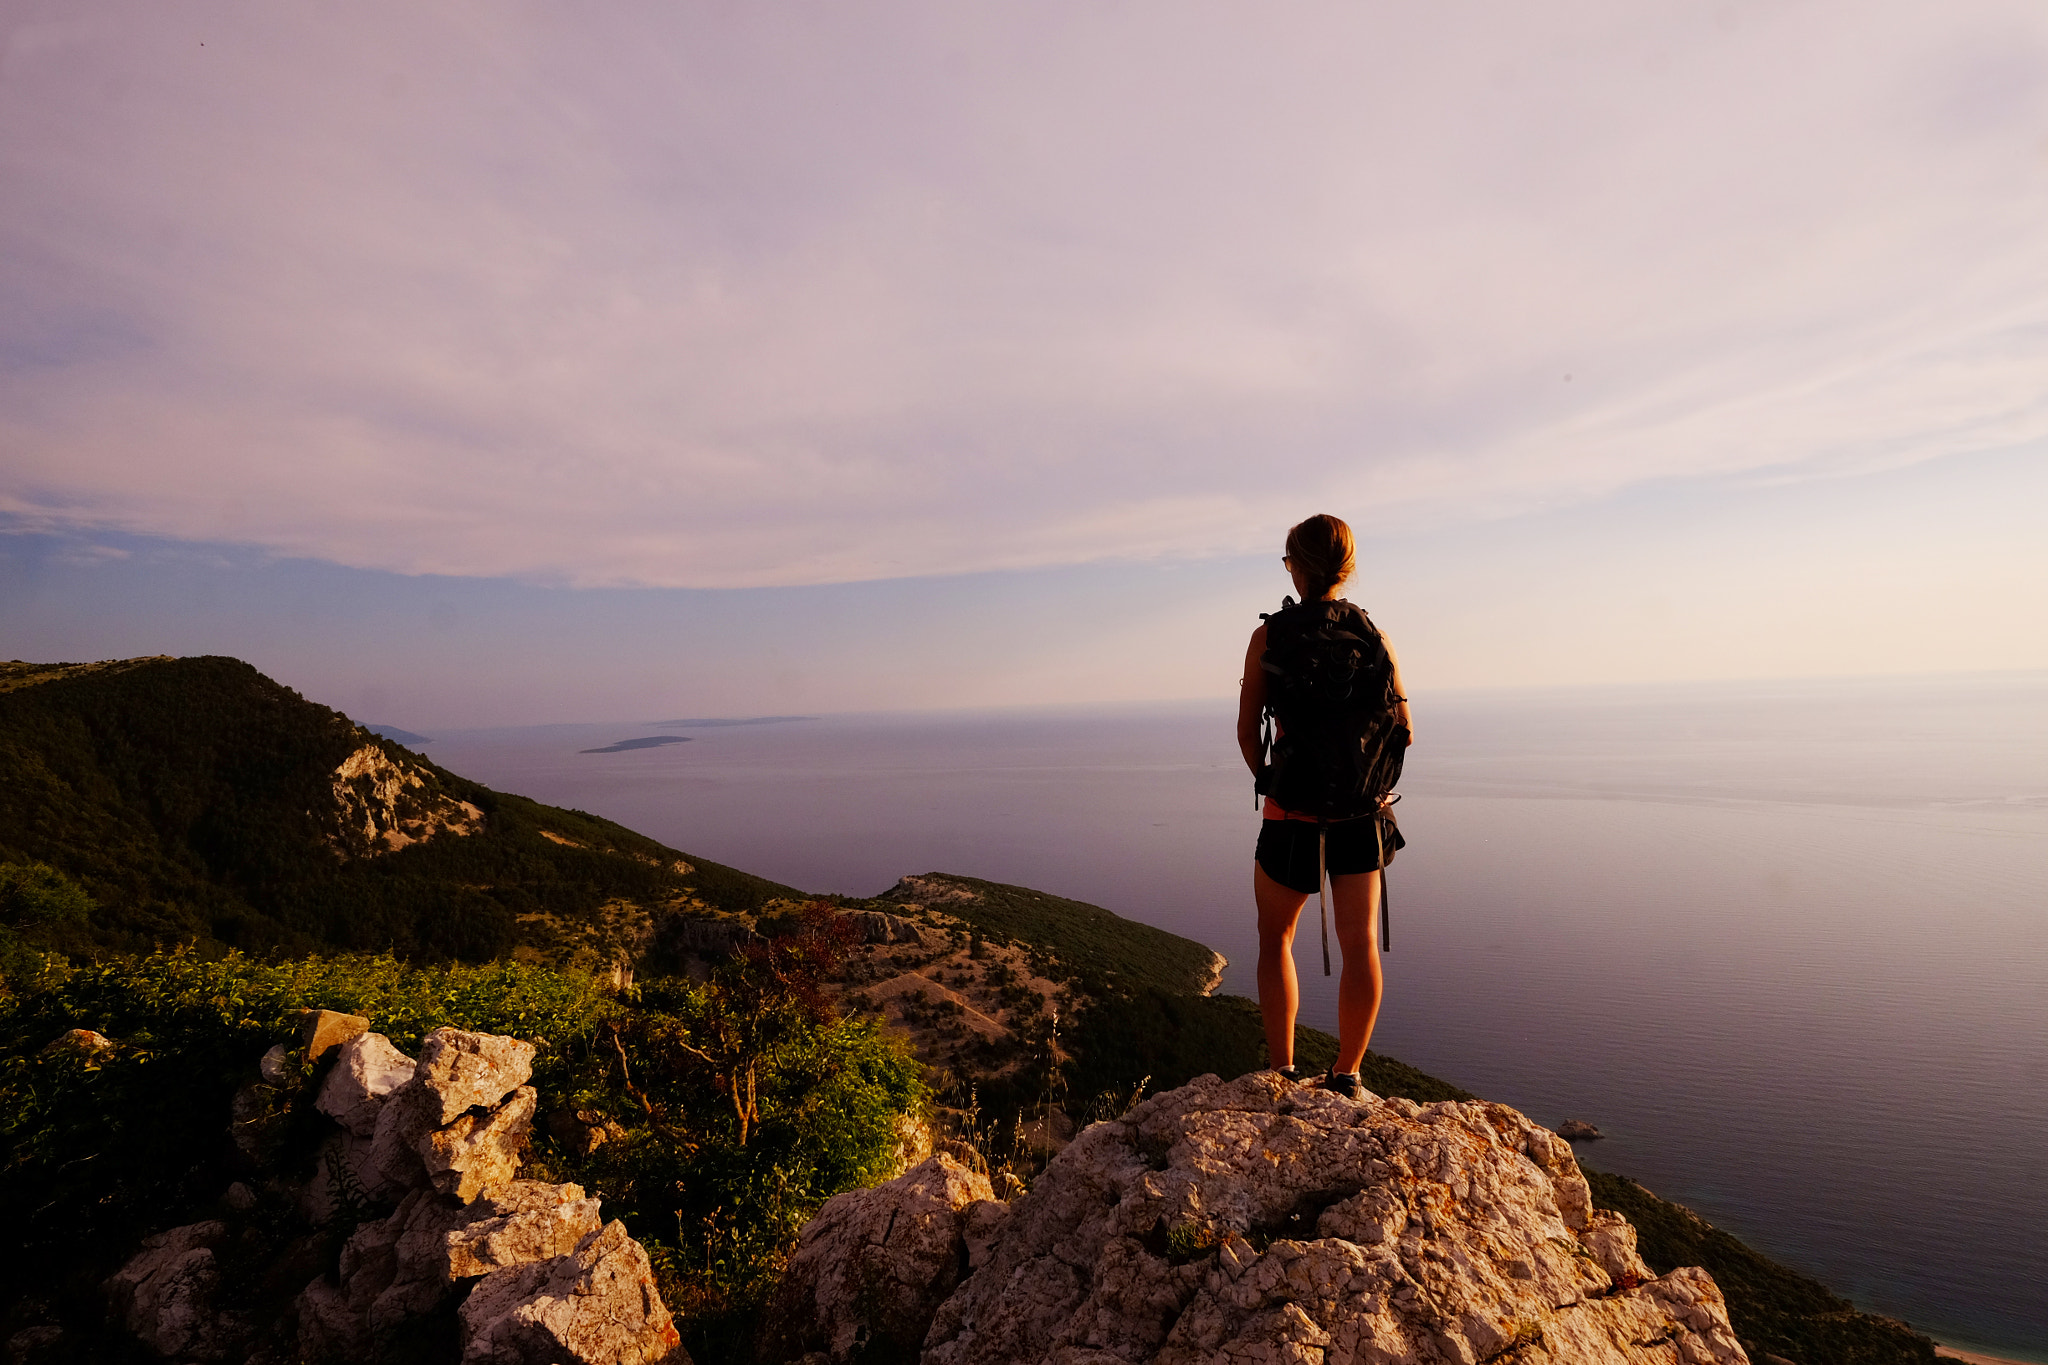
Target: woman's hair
(1322,549)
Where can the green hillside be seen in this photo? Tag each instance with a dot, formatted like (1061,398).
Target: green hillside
(1096,948)
(197,801)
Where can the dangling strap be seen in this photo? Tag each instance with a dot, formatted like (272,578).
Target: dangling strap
(1380,842)
(1265,754)
(1322,880)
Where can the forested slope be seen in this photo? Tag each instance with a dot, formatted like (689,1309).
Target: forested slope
(198,801)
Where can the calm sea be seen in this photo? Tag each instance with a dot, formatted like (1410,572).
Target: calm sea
(1785,944)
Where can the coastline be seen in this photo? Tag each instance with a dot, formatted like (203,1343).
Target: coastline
(1942,1352)
(1217,963)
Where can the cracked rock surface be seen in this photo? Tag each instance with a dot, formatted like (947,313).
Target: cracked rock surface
(874,1265)
(1256,1221)
(530,1270)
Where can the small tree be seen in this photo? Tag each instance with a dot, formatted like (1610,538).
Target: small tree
(761,1000)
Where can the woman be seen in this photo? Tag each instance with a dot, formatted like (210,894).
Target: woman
(1295,847)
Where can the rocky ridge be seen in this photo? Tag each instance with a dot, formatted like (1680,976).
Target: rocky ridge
(1250,1221)
(385,804)
(507,1271)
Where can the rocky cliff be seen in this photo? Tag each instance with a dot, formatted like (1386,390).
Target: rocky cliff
(1244,1221)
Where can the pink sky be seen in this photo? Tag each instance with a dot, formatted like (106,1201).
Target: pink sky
(731,297)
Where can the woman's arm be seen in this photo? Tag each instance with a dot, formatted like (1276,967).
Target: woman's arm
(1251,704)
(1401,711)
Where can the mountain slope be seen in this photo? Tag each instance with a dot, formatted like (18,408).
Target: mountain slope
(199,801)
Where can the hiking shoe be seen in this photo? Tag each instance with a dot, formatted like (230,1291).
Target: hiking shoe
(1293,1075)
(1345,1083)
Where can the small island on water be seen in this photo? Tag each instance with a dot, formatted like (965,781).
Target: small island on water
(649,742)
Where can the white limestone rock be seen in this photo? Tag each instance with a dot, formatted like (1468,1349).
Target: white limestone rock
(525,1221)
(367,1071)
(398,1269)
(464,1071)
(595,1306)
(1256,1221)
(874,1264)
(479,1153)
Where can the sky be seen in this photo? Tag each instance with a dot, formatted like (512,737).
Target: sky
(506,363)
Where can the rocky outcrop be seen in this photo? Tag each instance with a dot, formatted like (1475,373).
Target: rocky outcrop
(386,804)
(873,926)
(479,1152)
(398,1270)
(460,1071)
(598,1303)
(1253,1220)
(874,1265)
(535,1273)
(523,1272)
(367,1071)
(445,1120)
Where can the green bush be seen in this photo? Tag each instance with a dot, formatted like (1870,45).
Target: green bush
(33,895)
(743,1104)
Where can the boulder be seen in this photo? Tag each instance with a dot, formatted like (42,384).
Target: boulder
(272,1066)
(1578,1130)
(165,1294)
(82,1041)
(479,1153)
(873,1266)
(1251,1220)
(463,1070)
(320,1030)
(525,1221)
(595,1306)
(367,1071)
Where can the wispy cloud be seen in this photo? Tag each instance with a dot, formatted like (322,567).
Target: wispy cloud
(722,295)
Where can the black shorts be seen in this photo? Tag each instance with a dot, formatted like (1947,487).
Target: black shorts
(1287,850)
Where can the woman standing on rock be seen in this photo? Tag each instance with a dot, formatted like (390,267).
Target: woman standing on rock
(1329,681)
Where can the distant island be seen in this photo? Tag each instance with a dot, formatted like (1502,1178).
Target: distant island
(398,736)
(715,722)
(650,742)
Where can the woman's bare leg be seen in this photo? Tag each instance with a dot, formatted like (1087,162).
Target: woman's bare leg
(1279,991)
(1355,899)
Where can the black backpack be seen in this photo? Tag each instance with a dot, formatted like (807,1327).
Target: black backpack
(1330,688)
